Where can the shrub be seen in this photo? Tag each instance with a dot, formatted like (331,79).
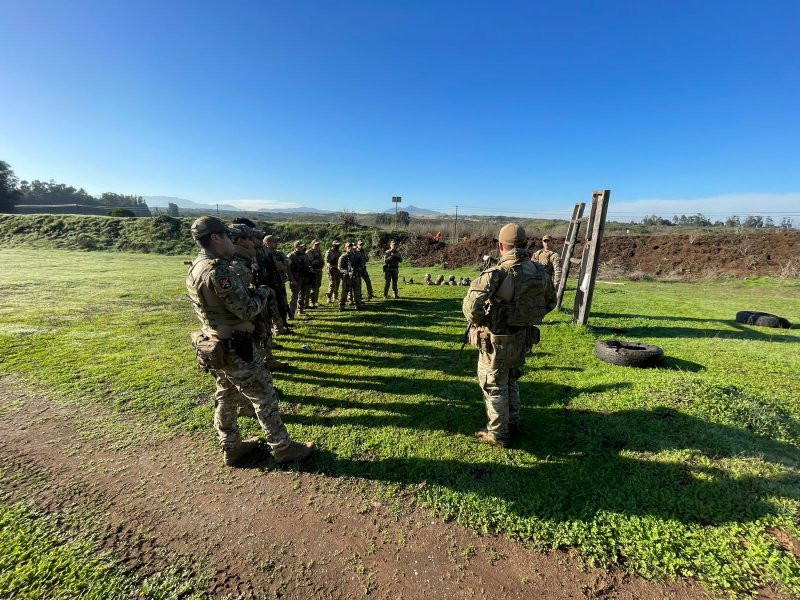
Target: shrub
(121,212)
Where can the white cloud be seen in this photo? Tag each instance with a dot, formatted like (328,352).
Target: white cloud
(712,206)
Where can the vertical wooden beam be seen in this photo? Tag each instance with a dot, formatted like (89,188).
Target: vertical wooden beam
(568,249)
(591,254)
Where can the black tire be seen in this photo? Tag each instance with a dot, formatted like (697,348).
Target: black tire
(761,319)
(628,354)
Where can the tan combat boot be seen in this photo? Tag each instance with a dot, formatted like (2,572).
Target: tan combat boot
(484,436)
(233,456)
(273,364)
(295,451)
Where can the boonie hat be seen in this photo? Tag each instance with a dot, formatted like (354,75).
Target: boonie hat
(207,225)
(512,235)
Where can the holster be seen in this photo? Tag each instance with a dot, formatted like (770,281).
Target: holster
(242,345)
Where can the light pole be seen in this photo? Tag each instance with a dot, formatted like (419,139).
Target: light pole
(397,200)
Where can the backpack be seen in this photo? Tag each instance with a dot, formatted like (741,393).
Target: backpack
(529,303)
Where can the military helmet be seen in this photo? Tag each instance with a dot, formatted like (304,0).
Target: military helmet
(207,225)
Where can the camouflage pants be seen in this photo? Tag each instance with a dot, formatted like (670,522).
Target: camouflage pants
(350,285)
(241,380)
(501,396)
(315,287)
(299,300)
(367,281)
(390,279)
(334,279)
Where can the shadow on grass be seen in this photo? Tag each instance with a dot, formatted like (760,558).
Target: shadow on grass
(570,464)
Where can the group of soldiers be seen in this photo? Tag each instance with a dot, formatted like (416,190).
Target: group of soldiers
(237,288)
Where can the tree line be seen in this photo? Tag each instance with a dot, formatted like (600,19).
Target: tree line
(13,191)
(734,222)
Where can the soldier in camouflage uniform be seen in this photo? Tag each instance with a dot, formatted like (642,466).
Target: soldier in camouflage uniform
(317,263)
(275,278)
(225,346)
(334,276)
(364,258)
(549,260)
(350,269)
(391,268)
(503,305)
(300,277)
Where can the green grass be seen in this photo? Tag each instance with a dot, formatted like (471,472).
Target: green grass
(674,472)
(39,559)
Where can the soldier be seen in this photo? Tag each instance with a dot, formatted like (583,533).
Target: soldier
(317,262)
(243,262)
(428,280)
(549,260)
(275,273)
(452,280)
(364,258)
(391,268)
(440,280)
(334,277)
(348,266)
(225,347)
(300,275)
(503,305)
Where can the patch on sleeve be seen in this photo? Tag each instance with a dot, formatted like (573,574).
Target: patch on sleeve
(224,282)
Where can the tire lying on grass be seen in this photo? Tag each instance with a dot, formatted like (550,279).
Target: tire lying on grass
(761,319)
(628,354)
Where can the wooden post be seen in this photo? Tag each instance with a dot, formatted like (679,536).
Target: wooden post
(589,258)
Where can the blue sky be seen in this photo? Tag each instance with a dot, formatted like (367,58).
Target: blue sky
(509,107)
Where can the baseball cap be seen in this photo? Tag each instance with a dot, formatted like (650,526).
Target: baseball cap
(336,243)
(297,243)
(512,235)
(207,225)
(272,238)
(314,242)
(546,238)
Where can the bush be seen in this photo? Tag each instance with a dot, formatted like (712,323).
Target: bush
(121,212)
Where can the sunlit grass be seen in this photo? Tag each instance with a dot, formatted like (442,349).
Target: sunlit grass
(679,471)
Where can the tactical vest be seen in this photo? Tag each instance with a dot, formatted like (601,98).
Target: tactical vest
(526,303)
(332,257)
(217,320)
(543,257)
(392,259)
(315,257)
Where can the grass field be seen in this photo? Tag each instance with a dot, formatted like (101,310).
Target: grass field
(684,471)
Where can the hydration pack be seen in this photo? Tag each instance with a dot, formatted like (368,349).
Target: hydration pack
(528,304)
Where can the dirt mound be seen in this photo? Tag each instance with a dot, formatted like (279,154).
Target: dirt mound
(690,256)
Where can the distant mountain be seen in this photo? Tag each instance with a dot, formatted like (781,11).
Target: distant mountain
(163,201)
(299,209)
(413,210)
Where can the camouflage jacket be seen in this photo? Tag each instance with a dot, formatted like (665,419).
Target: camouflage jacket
(550,261)
(392,259)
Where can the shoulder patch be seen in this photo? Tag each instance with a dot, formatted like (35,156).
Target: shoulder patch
(224,282)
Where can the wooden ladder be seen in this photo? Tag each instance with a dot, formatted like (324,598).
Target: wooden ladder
(568,249)
(589,257)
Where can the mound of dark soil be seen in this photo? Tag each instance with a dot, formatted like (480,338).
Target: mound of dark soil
(689,256)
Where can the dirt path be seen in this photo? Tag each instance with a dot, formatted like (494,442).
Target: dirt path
(274,534)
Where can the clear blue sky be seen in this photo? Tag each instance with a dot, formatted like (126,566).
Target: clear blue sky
(523,107)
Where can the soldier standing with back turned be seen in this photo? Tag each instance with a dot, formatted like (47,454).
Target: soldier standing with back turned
(549,260)
(363,257)
(391,269)
(503,305)
(317,263)
(349,268)
(225,347)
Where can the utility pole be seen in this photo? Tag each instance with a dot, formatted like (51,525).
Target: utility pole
(397,200)
(455,227)
(217,209)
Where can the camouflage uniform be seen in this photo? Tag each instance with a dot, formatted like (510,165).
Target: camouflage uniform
(364,259)
(551,262)
(224,306)
(503,346)
(391,269)
(317,263)
(349,267)
(300,276)
(334,276)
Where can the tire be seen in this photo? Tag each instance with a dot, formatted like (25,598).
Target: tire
(761,319)
(628,354)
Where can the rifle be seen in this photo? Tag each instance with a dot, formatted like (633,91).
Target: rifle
(464,341)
